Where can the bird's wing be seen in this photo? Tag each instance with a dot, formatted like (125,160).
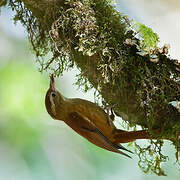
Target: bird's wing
(83,126)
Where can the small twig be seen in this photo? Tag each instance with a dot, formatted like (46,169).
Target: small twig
(50,62)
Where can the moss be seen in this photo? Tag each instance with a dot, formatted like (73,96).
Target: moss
(151,158)
(148,39)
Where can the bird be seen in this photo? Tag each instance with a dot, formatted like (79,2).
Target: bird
(90,121)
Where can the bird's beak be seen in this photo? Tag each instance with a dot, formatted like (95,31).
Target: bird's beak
(52,84)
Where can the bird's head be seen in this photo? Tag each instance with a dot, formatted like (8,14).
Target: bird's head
(53,99)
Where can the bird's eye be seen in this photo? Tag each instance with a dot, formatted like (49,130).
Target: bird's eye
(53,94)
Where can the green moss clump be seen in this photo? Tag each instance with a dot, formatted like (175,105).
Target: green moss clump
(148,39)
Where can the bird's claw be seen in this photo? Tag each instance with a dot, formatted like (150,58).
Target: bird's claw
(110,116)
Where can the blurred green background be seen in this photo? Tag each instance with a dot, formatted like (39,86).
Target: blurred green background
(35,147)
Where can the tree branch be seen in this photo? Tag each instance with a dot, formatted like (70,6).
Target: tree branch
(119,89)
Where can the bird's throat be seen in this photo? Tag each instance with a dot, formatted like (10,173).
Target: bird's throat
(53,106)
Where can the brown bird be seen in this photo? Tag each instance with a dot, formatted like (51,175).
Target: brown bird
(89,120)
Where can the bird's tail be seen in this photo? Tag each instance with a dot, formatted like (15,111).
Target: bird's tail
(119,146)
(121,136)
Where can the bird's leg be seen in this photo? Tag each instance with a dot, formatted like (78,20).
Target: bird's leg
(110,117)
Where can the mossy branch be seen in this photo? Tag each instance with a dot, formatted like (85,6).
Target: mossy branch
(117,57)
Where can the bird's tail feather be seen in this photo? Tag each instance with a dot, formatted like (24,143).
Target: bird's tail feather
(119,146)
(121,136)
